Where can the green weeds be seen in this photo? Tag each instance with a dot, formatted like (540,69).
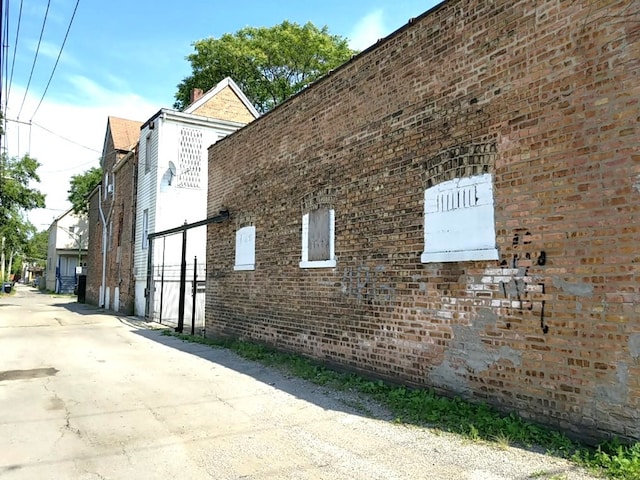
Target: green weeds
(425,407)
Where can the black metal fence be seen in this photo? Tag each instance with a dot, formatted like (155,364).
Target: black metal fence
(176,292)
(166,295)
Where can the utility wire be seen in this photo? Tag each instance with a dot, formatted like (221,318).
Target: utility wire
(5,45)
(57,59)
(3,33)
(64,138)
(15,49)
(44,22)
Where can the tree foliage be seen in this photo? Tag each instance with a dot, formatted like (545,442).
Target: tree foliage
(16,193)
(36,248)
(16,198)
(81,186)
(268,64)
(16,232)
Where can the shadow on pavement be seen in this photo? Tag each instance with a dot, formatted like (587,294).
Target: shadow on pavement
(324,397)
(83,308)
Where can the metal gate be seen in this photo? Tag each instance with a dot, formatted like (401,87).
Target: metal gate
(166,295)
(175,293)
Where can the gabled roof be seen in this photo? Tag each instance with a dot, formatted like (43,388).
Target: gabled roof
(68,212)
(227,82)
(125,133)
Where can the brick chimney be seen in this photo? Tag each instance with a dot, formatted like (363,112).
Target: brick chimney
(196,93)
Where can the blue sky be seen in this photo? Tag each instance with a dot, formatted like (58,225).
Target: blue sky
(125,58)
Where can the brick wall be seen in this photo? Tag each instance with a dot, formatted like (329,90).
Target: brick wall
(94,252)
(542,95)
(120,266)
(225,106)
(118,207)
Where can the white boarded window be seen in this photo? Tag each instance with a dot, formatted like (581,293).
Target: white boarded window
(190,157)
(459,221)
(318,239)
(245,248)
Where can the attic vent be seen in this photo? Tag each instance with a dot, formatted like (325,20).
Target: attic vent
(190,158)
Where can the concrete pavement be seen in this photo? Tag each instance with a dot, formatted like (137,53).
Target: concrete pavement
(84,395)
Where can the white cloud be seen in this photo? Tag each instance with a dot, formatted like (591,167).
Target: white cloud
(52,51)
(81,118)
(367,31)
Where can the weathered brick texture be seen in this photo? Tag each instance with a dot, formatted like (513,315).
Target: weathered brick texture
(94,252)
(544,96)
(120,266)
(118,209)
(225,106)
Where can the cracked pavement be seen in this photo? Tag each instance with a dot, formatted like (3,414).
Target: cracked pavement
(86,395)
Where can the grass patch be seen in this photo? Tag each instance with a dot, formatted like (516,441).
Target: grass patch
(426,408)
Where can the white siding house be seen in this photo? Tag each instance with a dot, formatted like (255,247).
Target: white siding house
(67,249)
(172,188)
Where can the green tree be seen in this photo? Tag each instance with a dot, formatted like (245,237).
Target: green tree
(16,197)
(268,64)
(37,248)
(81,186)
(16,194)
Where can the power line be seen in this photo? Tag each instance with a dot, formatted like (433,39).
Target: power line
(15,49)
(44,22)
(5,45)
(64,138)
(3,33)
(58,170)
(57,59)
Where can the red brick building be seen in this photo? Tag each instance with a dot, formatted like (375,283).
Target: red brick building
(456,207)
(112,220)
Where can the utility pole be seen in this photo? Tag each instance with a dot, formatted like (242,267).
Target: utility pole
(2,260)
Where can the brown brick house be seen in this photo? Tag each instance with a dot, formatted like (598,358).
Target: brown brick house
(456,207)
(112,220)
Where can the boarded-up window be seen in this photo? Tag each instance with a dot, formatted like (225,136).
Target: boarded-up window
(190,157)
(319,234)
(459,221)
(245,248)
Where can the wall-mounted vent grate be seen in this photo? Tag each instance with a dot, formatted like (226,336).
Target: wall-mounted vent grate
(190,158)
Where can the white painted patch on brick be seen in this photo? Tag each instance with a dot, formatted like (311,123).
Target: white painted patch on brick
(459,221)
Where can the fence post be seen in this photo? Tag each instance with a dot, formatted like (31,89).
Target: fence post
(193,304)
(183,281)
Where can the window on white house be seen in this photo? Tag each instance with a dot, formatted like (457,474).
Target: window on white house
(459,221)
(318,239)
(145,229)
(245,248)
(147,154)
(190,158)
